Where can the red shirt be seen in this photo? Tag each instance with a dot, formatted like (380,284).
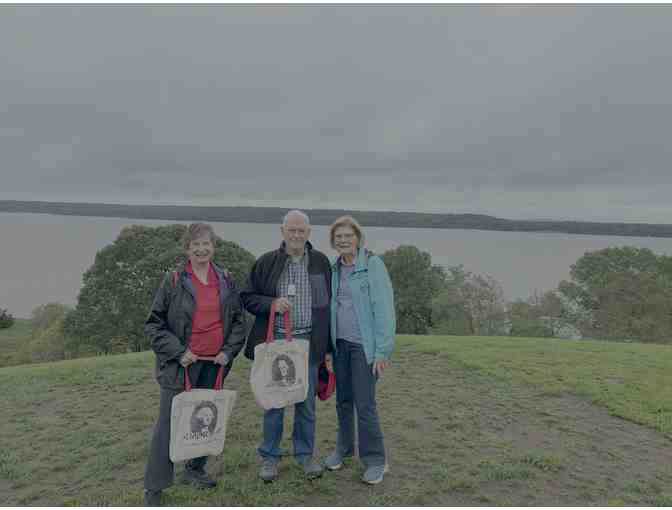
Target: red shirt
(207,331)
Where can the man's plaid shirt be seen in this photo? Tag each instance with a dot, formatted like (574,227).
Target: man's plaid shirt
(296,273)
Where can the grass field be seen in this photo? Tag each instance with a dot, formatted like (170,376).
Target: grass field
(467,421)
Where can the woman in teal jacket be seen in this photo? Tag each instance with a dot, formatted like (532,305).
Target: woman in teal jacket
(362,333)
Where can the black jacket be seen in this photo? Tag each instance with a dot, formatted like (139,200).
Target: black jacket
(261,290)
(171,317)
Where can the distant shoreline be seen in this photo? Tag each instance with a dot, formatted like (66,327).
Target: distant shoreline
(391,219)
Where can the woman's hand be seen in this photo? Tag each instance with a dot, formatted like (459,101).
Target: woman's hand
(221,359)
(188,358)
(380,366)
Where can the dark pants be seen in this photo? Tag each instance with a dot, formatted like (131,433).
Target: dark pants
(356,390)
(160,469)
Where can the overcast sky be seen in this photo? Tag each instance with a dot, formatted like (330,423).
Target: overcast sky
(514,111)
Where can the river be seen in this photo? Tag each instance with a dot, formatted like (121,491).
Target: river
(43,257)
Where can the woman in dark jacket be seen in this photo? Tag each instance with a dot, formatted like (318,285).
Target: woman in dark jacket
(196,313)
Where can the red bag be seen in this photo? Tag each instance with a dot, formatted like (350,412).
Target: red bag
(326,382)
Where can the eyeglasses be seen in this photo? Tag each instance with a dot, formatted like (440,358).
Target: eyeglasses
(344,237)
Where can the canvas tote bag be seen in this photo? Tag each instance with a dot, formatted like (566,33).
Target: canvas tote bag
(279,375)
(198,419)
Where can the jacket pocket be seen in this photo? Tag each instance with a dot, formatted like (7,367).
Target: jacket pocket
(318,286)
(169,375)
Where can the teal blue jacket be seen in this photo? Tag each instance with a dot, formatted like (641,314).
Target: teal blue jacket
(373,300)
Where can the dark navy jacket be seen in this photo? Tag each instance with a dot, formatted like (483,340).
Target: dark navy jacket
(170,320)
(261,290)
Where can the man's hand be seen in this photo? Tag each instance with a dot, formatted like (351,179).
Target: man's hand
(221,359)
(380,366)
(329,362)
(282,304)
(188,358)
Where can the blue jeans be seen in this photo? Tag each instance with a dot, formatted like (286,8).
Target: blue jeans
(356,390)
(303,435)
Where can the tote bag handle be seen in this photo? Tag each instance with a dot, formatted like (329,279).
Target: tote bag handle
(271,322)
(220,374)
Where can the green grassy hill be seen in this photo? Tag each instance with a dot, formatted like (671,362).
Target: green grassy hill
(467,421)
(11,339)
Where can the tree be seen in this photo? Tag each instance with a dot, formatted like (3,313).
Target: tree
(416,282)
(47,344)
(485,305)
(469,304)
(634,307)
(620,293)
(449,310)
(119,287)
(540,316)
(45,315)
(526,320)
(6,319)
(47,341)
(595,269)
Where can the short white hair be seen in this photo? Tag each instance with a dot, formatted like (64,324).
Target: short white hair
(295,212)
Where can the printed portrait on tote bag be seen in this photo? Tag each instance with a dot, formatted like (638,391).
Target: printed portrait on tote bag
(204,419)
(283,371)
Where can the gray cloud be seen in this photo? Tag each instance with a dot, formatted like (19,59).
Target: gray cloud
(516,111)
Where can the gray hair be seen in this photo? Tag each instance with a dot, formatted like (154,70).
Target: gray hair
(296,212)
(346,221)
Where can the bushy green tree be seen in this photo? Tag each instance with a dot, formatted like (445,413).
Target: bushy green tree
(119,287)
(634,307)
(416,282)
(621,293)
(6,319)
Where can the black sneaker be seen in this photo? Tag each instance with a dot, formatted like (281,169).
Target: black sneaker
(152,498)
(198,478)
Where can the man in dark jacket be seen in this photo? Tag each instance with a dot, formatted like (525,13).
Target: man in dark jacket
(297,278)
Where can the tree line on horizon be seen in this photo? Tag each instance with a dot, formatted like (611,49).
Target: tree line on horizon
(619,293)
(390,219)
